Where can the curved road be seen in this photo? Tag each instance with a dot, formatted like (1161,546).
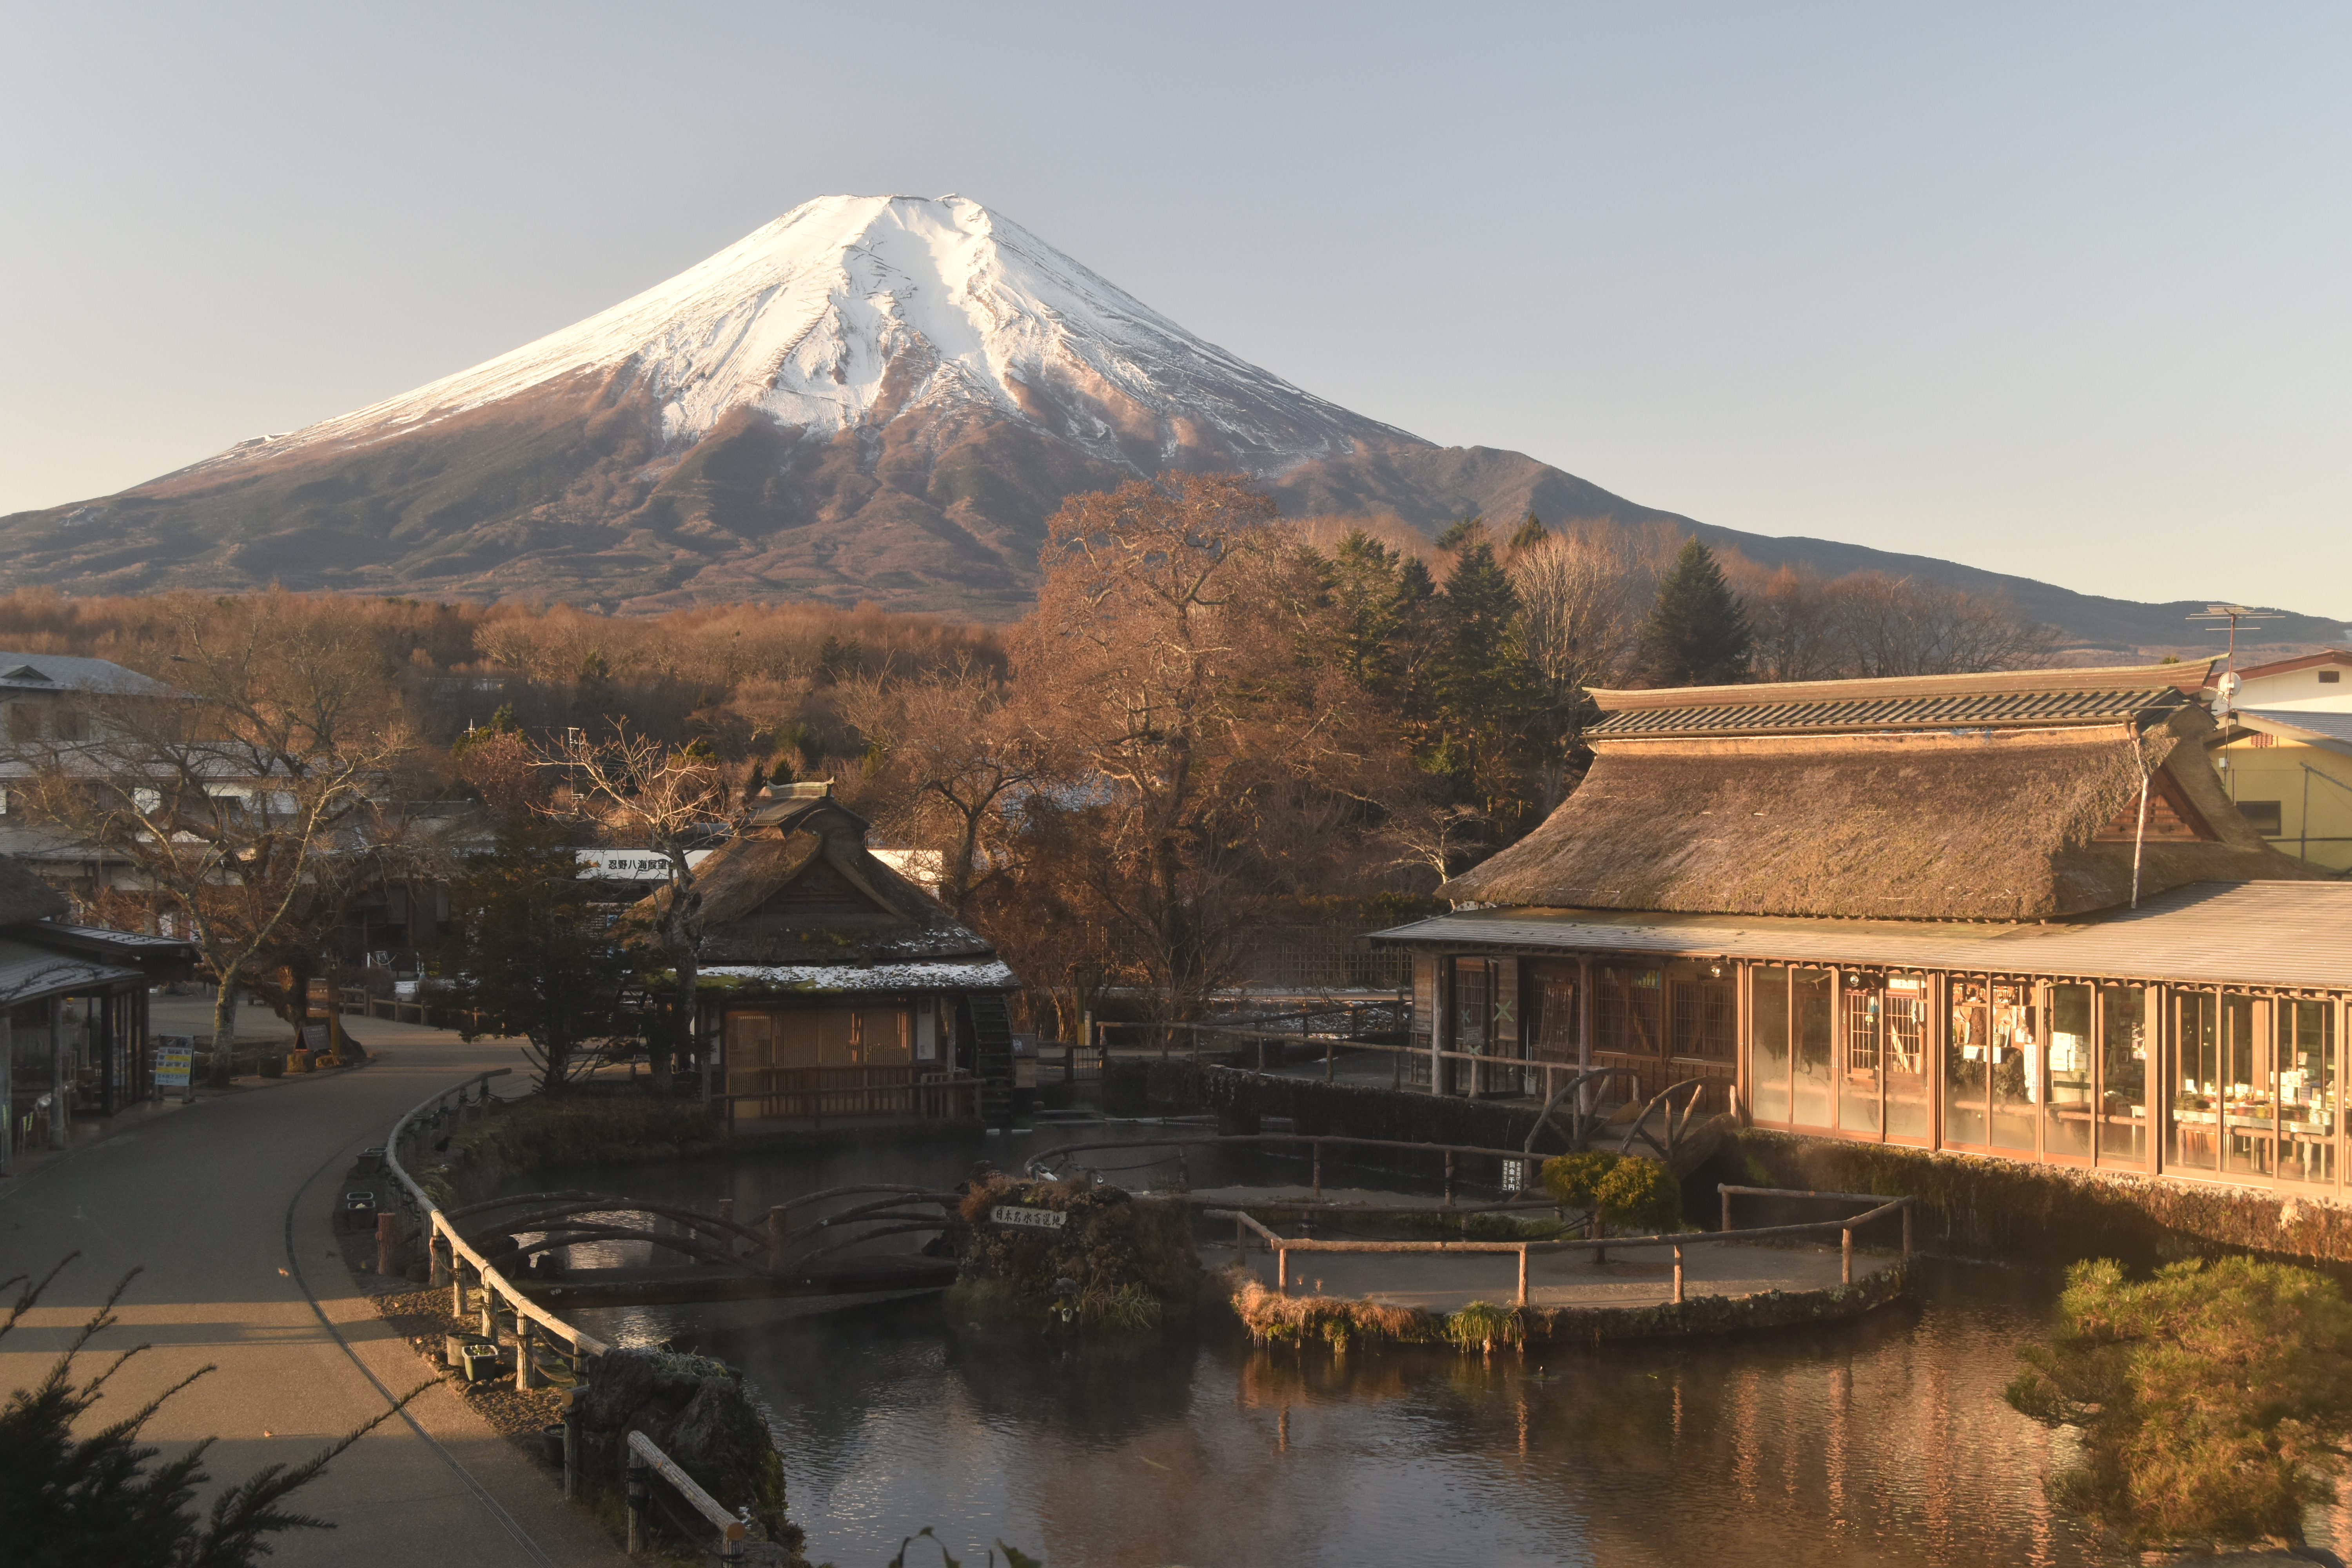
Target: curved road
(226,1204)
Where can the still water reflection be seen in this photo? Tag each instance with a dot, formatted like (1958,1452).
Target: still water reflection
(1881,1442)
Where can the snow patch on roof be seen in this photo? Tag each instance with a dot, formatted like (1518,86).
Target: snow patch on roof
(992,976)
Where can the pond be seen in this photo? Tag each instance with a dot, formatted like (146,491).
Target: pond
(1884,1441)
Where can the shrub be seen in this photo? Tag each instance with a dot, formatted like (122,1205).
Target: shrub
(1115,1264)
(2214,1400)
(1574,1180)
(1641,1195)
(78,1491)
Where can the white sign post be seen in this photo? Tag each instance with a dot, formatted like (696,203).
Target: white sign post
(175,1060)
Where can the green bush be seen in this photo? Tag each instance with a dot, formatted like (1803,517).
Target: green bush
(1642,1194)
(79,1491)
(1574,1180)
(2214,1401)
(1626,1191)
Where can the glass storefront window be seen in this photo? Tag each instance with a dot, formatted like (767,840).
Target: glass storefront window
(1702,1011)
(1626,1012)
(2251,1126)
(1858,1091)
(1470,1001)
(1903,1026)
(2193,1086)
(1768,1057)
(2070,1111)
(2016,1066)
(1809,1005)
(2306,1091)
(1968,1065)
(2123,1076)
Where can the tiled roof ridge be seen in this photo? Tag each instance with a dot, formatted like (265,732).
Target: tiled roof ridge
(2188,675)
(1925,711)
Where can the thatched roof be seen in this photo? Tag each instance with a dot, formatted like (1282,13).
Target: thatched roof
(24,896)
(1994,823)
(800,888)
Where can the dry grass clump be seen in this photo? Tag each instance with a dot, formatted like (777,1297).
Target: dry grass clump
(1274,1319)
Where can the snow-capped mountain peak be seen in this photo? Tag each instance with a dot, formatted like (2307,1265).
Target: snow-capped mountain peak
(851,310)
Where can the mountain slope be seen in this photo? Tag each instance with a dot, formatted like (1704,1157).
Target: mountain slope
(870,398)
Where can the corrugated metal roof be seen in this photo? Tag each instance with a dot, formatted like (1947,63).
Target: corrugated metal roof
(63,672)
(1947,710)
(2294,935)
(2288,722)
(27,973)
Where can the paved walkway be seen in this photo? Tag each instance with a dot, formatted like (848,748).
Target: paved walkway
(1643,1277)
(225,1203)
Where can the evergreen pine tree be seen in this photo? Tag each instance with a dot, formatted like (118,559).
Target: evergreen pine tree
(1479,682)
(1531,533)
(1366,594)
(1697,633)
(1462,532)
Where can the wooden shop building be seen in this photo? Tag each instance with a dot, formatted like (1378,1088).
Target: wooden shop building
(2013,915)
(832,985)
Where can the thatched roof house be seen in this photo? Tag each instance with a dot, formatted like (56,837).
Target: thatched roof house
(2014,796)
(798,900)
(835,985)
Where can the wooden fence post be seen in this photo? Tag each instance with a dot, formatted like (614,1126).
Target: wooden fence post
(1845,1261)
(775,1240)
(1281,1271)
(1726,1209)
(527,1374)
(387,1244)
(1678,1272)
(570,1444)
(1523,1273)
(1318,1170)
(636,1496)
(1906,1229)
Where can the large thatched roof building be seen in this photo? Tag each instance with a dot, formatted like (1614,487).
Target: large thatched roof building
(831,984)
(2006,796)
(2019,915)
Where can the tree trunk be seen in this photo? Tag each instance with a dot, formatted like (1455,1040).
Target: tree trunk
(224,1026)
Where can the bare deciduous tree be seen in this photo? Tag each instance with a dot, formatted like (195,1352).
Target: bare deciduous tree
(645,794)
(251,804)
(1171,660)
(948,759)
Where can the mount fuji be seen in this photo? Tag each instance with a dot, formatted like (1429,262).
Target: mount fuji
(870,398)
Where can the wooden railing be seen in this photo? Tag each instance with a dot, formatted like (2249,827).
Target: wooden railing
(815,1093)
(647,1461)
(1282,1247)
(504,1309)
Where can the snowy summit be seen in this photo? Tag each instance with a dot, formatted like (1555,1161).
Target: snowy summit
(850,309)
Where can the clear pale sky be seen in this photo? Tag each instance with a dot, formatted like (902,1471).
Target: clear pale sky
(2060,290)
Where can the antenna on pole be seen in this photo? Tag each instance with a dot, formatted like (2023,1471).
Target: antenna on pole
(2228,683)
